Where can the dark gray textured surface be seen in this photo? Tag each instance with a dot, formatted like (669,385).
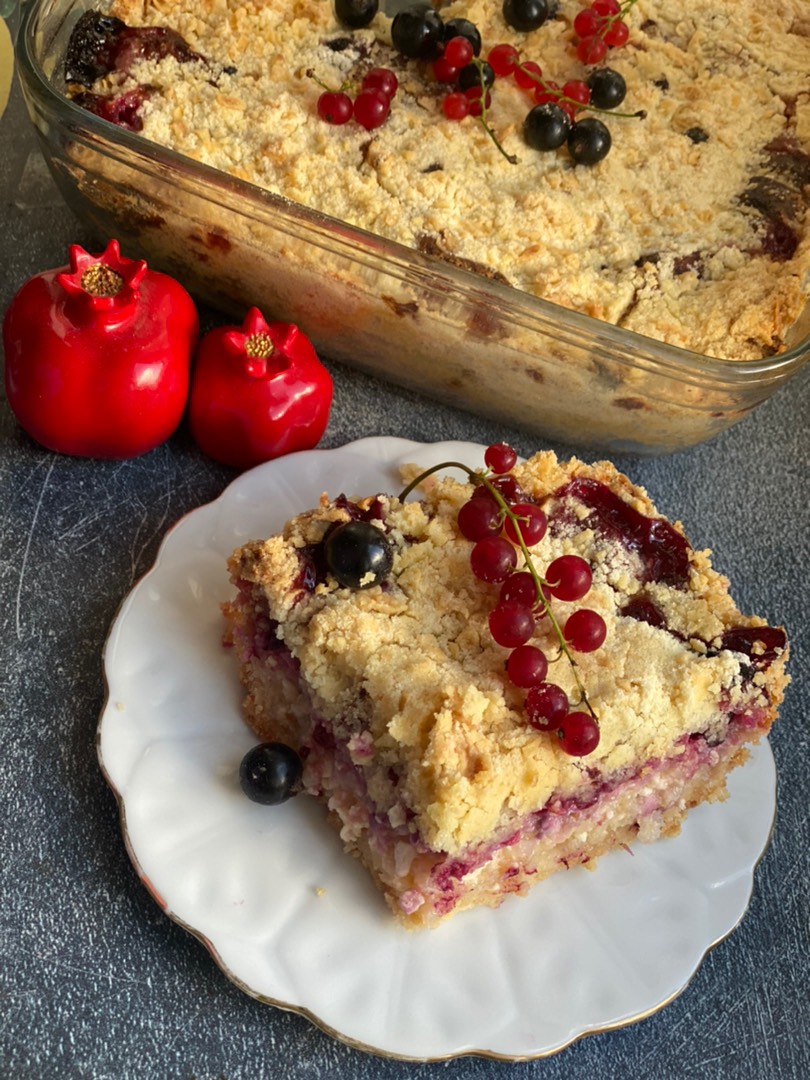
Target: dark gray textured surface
(95,982)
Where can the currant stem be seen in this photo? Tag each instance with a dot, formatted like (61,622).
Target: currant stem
(473,475)
(511,158)
(620,14)
(640,114)
(310,73)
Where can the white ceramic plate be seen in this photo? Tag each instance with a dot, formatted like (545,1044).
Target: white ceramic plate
(296,923)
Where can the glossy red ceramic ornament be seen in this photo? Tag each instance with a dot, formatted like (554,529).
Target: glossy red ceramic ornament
(98,354)
(257,392)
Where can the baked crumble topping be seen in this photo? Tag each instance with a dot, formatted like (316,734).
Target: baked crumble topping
(693,230)
(414,733)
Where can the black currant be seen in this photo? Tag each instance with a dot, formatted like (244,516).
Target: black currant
(466,29)
(270,773)
(608,88)
(358,554)
(472,74)
(588,141)
(525,15)
(546,127)
(356,13)
(418,32)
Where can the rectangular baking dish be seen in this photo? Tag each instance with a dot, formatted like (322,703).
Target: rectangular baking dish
(392,312)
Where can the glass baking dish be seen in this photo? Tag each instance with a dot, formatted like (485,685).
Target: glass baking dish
(398,314)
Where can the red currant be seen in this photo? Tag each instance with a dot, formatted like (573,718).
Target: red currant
(383,79)
(493,559)
(546,91)
(335,107)
(606,7)
(616,34)
(509,488)
(500,457)
(546,705)
(479,518)
(520,588)
(511,624)
(444,71)
(458,51)
(532,524)
(527,74)
(456,106)
(591,50)
(585,630)
(587,23)
(527,666)
(371,108)
(577,90)
(578,734)
(478,102)
(569,577)
(503,59)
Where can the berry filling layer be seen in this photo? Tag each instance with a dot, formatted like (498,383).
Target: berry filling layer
(423,886)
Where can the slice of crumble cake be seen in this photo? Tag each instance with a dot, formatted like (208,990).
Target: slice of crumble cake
(499,679)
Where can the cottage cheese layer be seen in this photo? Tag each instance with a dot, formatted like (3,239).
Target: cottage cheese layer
(412,732)
(693,230)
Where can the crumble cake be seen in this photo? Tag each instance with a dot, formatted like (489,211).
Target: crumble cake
(411,730)
(692,231)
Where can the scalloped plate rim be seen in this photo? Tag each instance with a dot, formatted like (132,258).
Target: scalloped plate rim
(386,452)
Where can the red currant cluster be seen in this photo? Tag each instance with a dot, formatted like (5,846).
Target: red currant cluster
(456,67)
(546,128)
(500,521)
(371,106)
(601,26)
(453,51)
(572,96)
